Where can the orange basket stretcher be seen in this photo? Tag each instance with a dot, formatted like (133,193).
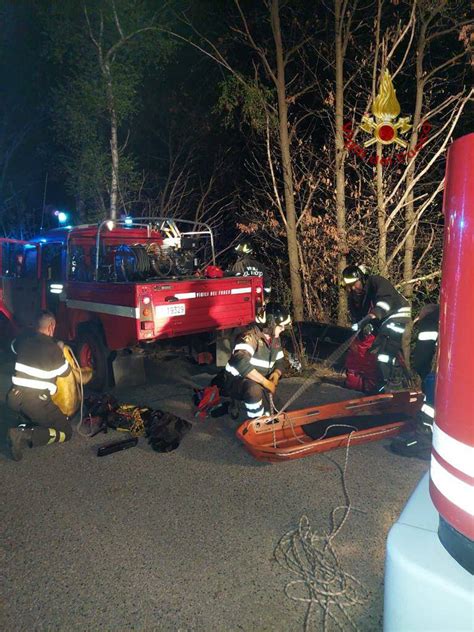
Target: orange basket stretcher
(298,433)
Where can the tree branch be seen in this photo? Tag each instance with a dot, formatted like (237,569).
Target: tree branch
(117,21)
(432,275)
(446,64)
(254,45)
(272,173)
(453,122)
(420,212)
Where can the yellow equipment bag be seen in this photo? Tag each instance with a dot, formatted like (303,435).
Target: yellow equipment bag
(68,396)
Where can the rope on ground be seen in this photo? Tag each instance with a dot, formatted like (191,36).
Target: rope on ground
(321,581)
(314,560)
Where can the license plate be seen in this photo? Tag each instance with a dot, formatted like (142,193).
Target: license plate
(167,311)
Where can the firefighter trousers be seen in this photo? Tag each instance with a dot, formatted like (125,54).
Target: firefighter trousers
(388,345)
(46,423)
(250,393)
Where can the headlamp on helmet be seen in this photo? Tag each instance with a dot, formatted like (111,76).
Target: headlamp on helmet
(275,315)
(352,274)
(244,247)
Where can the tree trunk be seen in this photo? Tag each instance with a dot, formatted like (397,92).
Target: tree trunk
(381,215)
(114,150)
(290,211)
(410,215)
(340,160)
(80,209)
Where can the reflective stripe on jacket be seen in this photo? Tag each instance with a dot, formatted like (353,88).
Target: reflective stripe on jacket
(381,299)
(253,351)
(246,266)
(39,362)
(426,343)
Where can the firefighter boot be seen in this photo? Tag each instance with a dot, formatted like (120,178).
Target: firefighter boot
(19,439)
(415,443)
(418,446)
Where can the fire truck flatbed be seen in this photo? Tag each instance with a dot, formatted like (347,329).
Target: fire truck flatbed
(120,284)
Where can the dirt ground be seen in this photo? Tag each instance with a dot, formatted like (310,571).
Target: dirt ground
(185,541)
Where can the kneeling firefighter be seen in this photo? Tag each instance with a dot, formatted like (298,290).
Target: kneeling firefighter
(256,363)
(375,305)
(39,362)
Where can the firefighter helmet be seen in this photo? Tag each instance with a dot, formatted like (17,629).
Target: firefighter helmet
(244,247)
(351,274)
(275,315)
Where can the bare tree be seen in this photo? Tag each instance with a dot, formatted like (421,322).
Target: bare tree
(343,13)
(270,64)
(107,55)
(405,185)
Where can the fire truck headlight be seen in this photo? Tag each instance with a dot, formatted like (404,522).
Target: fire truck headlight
(146,300)
(259,290)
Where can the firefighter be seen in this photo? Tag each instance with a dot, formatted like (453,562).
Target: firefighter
(256,362)
(426,342)
(418,442)
(39,361)
(374,304)
(246,265)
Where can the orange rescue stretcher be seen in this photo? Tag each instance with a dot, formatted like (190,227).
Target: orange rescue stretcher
(298,433)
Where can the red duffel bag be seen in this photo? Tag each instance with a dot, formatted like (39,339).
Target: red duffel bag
(362,373)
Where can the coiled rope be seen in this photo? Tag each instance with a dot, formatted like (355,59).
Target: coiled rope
(327,589)
(321,582)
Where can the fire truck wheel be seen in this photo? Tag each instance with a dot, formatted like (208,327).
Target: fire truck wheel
(92,352)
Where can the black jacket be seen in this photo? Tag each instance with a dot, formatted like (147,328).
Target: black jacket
(39,361)
(379,298)
(246,266)
(426,343)
(253,351)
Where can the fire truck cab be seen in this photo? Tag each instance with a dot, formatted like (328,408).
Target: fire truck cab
(120,284)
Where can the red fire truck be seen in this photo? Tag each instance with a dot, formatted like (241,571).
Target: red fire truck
(120,284)
(430,549)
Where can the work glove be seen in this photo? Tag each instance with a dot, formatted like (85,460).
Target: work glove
(366,331)
(362,323)
(275,377)
(269,386)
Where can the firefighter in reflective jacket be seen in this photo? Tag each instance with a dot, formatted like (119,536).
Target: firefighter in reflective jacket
(417,443)
(246,265)
(426,342)
(373,298)
(39,361)
(256,362)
